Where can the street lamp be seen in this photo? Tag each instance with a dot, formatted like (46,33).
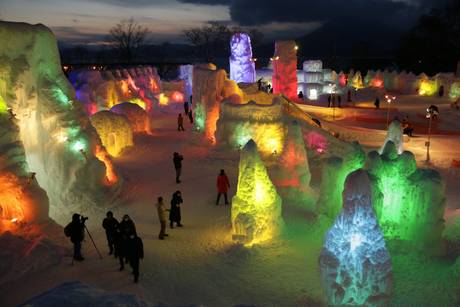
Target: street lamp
(431,112)
(389,99)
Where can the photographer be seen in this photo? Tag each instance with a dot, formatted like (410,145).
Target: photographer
(76,230)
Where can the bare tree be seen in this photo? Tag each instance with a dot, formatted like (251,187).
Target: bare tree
(214,38)
(127,36)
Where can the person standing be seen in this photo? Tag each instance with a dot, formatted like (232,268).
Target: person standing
(190,116)
(177,160)
(135,252)
(120,247)
(110,224)
(174,212)
(180,123)
(329,100)
(162,217)
(127,226)
(76,231)
(186,107)
(223,184)
(377,102)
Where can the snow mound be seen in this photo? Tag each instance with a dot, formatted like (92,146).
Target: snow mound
(76,293)
(138,117)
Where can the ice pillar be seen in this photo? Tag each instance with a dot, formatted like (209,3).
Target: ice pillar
(395,135)
(355,264)
(256,207)
(285,69)
(242,68)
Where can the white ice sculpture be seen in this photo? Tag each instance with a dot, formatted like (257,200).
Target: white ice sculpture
(394,134)
(355,264)
(186,74)
(242,68)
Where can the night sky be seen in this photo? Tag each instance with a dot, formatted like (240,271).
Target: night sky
(88,21)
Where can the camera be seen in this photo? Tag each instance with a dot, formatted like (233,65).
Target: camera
(83,218)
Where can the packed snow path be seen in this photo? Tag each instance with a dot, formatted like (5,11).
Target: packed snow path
(199,263)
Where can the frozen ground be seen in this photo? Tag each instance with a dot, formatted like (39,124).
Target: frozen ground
(199,264)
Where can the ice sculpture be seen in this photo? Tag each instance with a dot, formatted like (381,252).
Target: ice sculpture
(58,140)
(357,80)
(395,135)
(21,198)
(285,69)
(186,74)
(210,87)
(409,202)
(256,207)
(334,172)
(292,175)
(114,130)
(238,123)
(242,68)
(354,262)
(137,117)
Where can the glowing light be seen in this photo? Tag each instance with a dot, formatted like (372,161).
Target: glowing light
(377,83)
(3,106)
(454,91)
(153,85)
(139,102)
(78,146)
(356,240)
(178,96)
(110,174)
(163,100)
(62,137)
(313,94)
(60,96)
(14,220)
(14,203)
(428,88)
(296,48)
(256,207)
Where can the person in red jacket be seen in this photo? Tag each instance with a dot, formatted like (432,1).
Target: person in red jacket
(222,186)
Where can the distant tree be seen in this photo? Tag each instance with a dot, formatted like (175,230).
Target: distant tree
(213,39)
(433,45)
(127,36)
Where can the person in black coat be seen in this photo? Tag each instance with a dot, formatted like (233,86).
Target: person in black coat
(135,252)
(127,226)
(120,241)
(177,160)
(110,224)
(76,231)
(174,212)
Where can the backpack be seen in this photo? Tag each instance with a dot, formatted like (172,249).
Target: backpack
(68,230)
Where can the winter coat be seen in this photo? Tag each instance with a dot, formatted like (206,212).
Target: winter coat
(135,248)
(127,228)
(180,120)
(120,241)
(174,213)
(161,211)
(222,184)
(110,226)
(76,229)
(178,161)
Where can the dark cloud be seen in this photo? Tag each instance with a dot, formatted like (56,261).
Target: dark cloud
(208,2)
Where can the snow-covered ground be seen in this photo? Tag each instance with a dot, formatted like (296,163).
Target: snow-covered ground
(199,263)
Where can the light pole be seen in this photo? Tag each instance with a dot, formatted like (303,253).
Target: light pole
(430,112)
(389,99)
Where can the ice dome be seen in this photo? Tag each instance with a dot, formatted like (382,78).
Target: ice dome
(114,130)
(138,118)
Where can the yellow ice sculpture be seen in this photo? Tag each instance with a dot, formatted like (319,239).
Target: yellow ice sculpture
(256,207)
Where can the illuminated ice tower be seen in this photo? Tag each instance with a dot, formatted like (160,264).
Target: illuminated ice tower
(285,69)
(242,68)
(355,264)
(256,207)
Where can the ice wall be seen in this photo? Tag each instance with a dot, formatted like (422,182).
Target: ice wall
(409,202)
(57,138)
(186,74)
(21,198)
(355,264)
(333,173)
(136,116)
(242,68)
(292,174)
(114,130)
(238,123)
(256,207)
(210,87)
(285,69)
(395,135)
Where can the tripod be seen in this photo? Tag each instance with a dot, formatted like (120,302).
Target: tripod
(97,250)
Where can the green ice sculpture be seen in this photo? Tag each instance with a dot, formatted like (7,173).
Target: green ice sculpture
(409,202)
